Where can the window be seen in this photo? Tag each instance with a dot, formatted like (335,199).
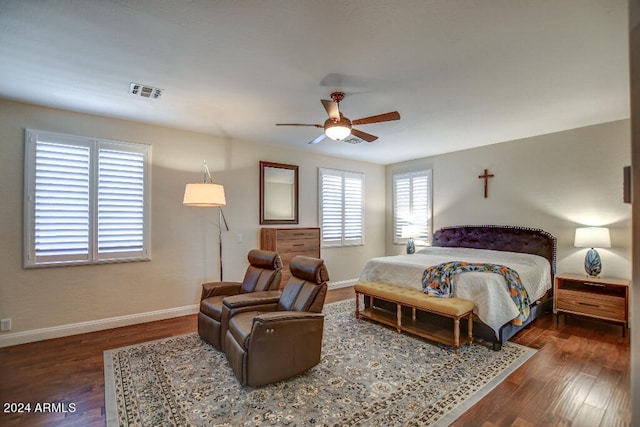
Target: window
(412,212)
(86,200)
(341,207)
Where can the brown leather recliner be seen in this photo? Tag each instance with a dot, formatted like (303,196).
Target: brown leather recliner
(263,274)
(275,335)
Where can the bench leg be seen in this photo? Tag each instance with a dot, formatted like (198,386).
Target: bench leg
(357,305)
(456,334)
(399,317)
(470,327)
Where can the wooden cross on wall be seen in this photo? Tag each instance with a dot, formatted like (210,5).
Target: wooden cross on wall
(486,177)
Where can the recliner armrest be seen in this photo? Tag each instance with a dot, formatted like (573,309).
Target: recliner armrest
(252,298)
(278,316)
(212,289)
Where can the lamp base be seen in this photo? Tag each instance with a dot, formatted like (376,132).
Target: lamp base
(411,246)
(592,263)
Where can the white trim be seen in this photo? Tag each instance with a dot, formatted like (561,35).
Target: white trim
(16,338)
(24,337)
(342,284)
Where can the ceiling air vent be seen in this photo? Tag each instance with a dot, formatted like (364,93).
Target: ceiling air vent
(352,140)
(144,91)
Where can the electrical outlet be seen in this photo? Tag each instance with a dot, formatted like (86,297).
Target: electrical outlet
(5,325)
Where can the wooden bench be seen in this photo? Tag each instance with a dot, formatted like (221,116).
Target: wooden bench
(453,308)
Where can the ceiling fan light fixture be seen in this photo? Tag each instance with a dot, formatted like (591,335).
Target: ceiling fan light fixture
(339,128)
(337,132)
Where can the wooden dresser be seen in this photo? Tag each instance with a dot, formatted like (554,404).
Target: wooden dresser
(289,242)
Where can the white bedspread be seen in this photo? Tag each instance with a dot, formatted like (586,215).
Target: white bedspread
(494,306)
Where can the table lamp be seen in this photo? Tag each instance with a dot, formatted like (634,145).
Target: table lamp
(592,237)
(409,232)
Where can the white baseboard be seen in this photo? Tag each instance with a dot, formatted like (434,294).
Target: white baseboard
(9,339)
(342,284)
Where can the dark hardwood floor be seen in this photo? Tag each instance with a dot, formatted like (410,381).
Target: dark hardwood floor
(580,375)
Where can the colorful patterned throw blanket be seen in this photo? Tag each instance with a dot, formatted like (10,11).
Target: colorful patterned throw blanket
(438,280)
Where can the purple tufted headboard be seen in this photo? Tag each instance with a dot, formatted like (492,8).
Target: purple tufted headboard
(499,238)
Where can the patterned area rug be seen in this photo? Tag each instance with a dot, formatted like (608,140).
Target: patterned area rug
(369,375)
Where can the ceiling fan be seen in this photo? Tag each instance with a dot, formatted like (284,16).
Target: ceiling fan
(339,127)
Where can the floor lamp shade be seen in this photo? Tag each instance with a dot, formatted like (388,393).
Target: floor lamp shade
(204,195)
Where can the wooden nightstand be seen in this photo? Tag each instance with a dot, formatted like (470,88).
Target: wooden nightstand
(598,297)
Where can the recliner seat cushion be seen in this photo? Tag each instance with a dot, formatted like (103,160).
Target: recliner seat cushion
(212,307)
(240,327)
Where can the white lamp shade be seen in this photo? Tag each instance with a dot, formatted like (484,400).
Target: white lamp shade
(592,237)
(337,132)
(410,231)
(204,195)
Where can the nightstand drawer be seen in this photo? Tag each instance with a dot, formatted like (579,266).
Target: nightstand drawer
(591,287)
(591,304)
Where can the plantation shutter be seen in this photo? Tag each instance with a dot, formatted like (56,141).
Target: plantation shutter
(61,202)
(402,204)
(120,202)
(412,205)
(331,209)
(341,207)
(86,200)
(353,209)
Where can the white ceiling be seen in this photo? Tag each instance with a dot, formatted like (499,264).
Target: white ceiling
(462,73)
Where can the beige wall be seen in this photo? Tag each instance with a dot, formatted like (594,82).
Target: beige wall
(555,182)
(184,239)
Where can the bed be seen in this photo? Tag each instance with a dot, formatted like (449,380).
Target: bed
(531,252)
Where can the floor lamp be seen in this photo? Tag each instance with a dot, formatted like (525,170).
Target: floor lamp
(208,194)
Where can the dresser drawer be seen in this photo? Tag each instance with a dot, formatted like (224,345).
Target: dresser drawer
(293,234)
(288,256)
(592,304)
(297,246)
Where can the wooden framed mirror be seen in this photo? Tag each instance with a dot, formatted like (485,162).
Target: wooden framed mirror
(278,193)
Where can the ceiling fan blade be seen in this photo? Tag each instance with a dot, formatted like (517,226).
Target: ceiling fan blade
(317,139)
(299,124)
(363,135)
(332,108)
(386,117)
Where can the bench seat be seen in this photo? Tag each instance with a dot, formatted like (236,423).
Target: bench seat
(453,308)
